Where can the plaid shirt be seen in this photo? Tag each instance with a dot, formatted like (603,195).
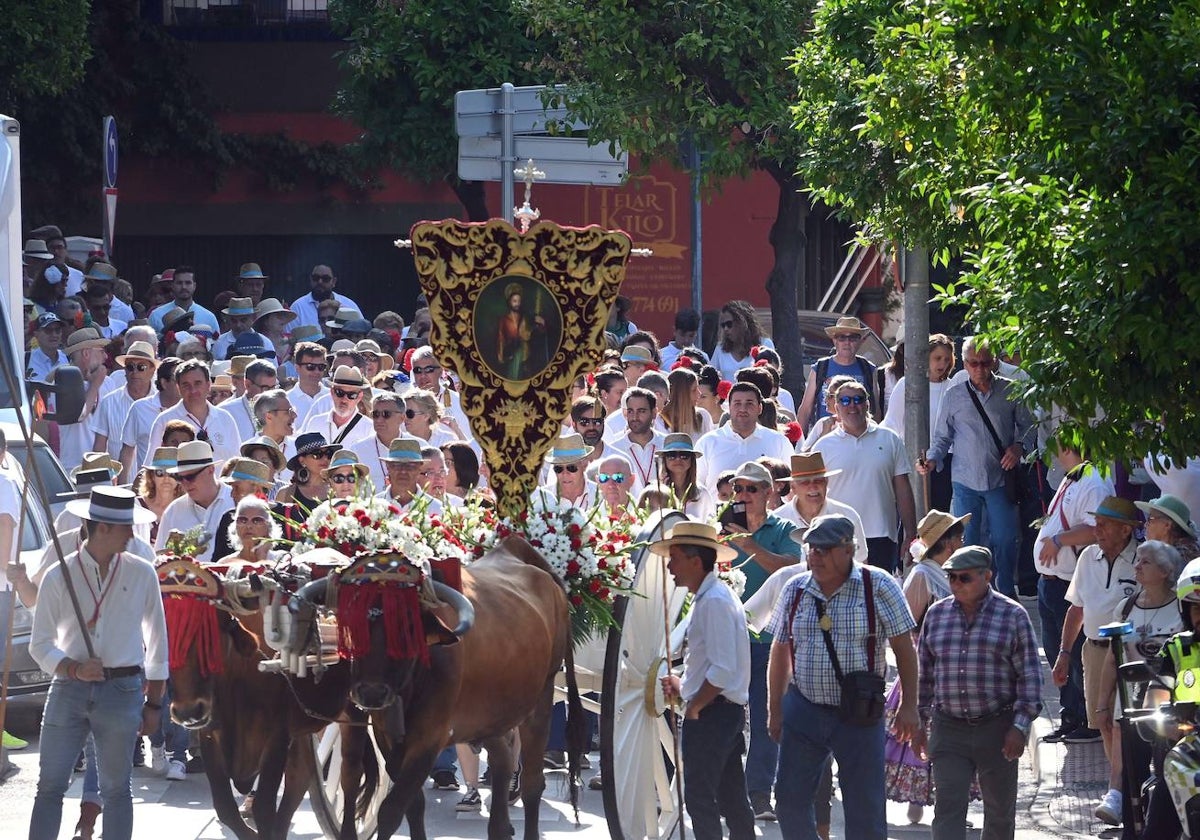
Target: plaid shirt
(812,671)
(976,669)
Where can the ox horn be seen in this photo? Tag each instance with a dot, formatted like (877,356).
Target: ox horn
(312,592)
(241,596)
(464,608)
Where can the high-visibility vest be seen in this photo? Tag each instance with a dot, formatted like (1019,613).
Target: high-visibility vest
(1184,650)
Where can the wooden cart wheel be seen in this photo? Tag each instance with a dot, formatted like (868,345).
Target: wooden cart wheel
(325,790)
(641,797)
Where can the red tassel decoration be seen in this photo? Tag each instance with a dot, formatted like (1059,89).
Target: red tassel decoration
(193,622)
(403,628)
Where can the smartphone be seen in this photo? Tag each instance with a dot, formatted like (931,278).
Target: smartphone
(735,514)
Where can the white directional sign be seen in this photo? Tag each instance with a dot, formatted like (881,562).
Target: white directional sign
(565,160)
(480,113)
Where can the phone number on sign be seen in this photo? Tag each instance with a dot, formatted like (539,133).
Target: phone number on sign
(662,303)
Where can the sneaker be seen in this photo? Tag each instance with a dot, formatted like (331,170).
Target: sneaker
(445,780)
(760,803)
(139,753)
(1109,809)
(471,801)
(158,760)
(1058,734)
(13,743)
(176,771)
(554,760)
(1082,735)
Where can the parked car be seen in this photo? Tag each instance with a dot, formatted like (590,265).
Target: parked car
(27,683)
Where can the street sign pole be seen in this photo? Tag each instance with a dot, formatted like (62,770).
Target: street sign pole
(108,193)
(508,156)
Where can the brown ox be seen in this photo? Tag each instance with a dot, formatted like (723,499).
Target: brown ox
(253,727)
(498,678)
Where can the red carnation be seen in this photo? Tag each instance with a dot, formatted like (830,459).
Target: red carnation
(723,388)
(572,568)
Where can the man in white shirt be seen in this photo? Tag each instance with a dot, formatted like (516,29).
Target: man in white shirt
(343,424)
(86,350)
(740,440)
(212,424)
(48,355)
(204,502)
(134,433)
(322,281)
(404,461)
(139,364)
(387,422)
(260,375)
(568,459)
(103,276)
(687,326)
(810,499)
(184,286)
(241,322)
(311,366)
(109,676)
(641,440)
(427,374)
(874,478)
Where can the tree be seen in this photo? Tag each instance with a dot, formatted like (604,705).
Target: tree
(43,48)
(404,65)
(654,75)
(1055,149)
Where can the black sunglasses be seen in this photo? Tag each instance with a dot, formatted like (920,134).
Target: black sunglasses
(746,488)
(344,479)
(571,468)
(312,367)
(426,369)
(675,456)
(382,414)
(188,478)
(960,577)
(344,394)
(140,367)
(410,414)
(857,399)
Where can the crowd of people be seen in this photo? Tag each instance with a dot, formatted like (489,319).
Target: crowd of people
(240,419)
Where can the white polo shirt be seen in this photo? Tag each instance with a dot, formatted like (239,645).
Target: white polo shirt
(1069,508)
(788,511)
(183,514)
(323,423)
(724,449)
(641,458)
(135,430)
(109,419)
(221,429)
(1098,588)
(239,410)
(303,403)
(868,464)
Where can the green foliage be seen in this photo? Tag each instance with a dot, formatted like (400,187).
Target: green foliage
(405,62)
(1055,148)
(43,48)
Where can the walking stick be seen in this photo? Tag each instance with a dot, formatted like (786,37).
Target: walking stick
(675,730)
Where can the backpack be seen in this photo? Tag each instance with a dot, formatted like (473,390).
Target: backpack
(868,373)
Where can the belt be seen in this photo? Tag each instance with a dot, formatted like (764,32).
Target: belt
(124,671)
(721,699)
(1054,577)
(979,719)
(1098,642)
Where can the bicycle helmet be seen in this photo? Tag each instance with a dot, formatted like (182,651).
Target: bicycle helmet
(1188,591)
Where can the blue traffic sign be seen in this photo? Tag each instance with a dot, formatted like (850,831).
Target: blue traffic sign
(110,152)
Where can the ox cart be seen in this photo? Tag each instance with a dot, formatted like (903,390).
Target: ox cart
(618,672)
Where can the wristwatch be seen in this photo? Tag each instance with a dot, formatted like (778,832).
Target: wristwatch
(150,704)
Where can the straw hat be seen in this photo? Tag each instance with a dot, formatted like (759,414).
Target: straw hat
(638,355)
(693,533)
(569,449)
(98,461)
(678,442)
(111,505)
(847,324)
(239,306)
(247,469)
(272,306)
(343,316)
(84,338)
(403,450)
(251,271)
(346,458)
(934,524)
(349,377)
(35,249)
(164,458)
(372,348)
(192,456)
(811,465)
(264,442)
(139,351)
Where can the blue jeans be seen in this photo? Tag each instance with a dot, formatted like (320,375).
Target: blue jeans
(1052,609)
(763,755)
(446,760)
(170,734)
(558,728)
(810,734)
(713,782)
(1004,535)
(112,712)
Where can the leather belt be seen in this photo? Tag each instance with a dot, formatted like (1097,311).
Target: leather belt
(1098,642)
(124,671)
(979,719)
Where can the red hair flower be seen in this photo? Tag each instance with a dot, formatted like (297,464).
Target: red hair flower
(723,388)
(793,431)
(683,362)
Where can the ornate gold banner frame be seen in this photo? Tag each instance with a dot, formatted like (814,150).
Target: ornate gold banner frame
(518,316)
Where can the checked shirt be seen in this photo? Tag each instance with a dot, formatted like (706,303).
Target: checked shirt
(975,670)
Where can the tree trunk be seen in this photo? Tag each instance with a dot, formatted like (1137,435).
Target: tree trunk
(785,283)
(473,198)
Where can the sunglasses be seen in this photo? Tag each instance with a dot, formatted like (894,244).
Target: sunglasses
(202,435)
(857,399)
(960,577)
(344,394)
(426,369)
(746,488)
(313,367)
(140,367)
(382,414)
(321,454)
(251,520)
(677,456)
(847,338)
(571,468)
(978,363)
(410,413)
(188,478)
(344,479)
(589,421)
(725,325)
(616,478)
(159,473)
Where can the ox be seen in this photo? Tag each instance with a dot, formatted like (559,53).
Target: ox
(253,725)
(498,677)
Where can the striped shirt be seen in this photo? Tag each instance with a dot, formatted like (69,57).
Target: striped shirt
(972,669)
(812,672)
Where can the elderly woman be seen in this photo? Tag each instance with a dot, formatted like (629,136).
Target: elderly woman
(1153,611)
(251,532)
(1169,520)
(424,420)
(245,477)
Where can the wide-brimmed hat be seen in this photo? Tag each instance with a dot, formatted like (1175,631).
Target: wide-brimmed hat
(349,377)
(237,364)
(247,469)
(372,348)
(177,319)
(569,449)
(811,465)
(164,458)
(969,557)
(1122,510)
(192,456)
(35,249)
(84,481)
(639,355)
(222,382)
(272,306)
(934,524)
(111,505)
(308,444)
(251,271)
(827,531)
(168,276)
(357,326)
(343,316)
(1172,507)
(692,533)
(139,351)
(306,332)
(252,344)
(103,272)
(346,458)
(83,338)
(403,450)
(847,324)
(678,442)
(98,461)
(754,471)
(239,306)
(264,442)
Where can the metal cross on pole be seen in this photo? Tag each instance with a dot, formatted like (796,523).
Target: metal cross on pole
(525,215)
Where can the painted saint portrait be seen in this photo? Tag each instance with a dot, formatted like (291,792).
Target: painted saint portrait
(517,327)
